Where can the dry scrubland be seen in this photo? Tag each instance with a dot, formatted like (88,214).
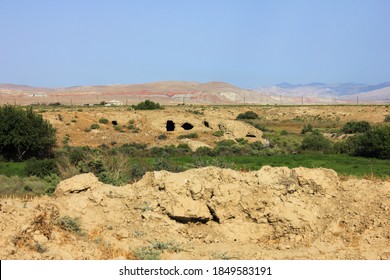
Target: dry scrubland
(205,213)
(146,126)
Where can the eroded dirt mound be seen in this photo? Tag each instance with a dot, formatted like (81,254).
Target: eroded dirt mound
(207,213)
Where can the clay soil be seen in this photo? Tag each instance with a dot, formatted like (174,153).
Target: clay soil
(207,213)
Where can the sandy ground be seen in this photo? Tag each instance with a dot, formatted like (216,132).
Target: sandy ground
(207,213)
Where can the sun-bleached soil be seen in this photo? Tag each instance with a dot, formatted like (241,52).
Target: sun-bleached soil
(207,213)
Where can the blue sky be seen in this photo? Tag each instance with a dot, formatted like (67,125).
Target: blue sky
(57,43)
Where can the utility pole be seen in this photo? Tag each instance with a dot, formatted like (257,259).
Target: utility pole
(302,100)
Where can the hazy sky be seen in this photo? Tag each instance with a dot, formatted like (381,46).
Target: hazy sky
(247,43)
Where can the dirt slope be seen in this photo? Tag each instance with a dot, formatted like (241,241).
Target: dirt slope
(150,124)
(207,213)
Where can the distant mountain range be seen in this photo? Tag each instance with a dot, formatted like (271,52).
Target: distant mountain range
(174,92)
(338,89)
(377,92)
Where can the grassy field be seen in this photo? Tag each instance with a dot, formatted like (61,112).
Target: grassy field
(342,164)
(13,169)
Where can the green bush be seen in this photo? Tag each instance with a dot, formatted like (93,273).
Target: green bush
(69,224)
(387,118)
(227,142)
(257,146)
(218,133)
(163,164)
(162,137)
(242,141)
(204,151)
(94,126)
(103,121)
(52,180)
(248,115)
(183,149)
(137,171)
(283,132)
(40,168)
(316,142)
(374,143)
(356,127)
(147,105)
(306,129)
(24,134)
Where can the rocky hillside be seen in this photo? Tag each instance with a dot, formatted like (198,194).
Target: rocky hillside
(207,213)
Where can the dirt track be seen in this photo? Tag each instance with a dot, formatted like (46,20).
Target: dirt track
(208,213)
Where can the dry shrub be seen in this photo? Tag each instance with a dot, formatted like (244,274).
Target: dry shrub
(43,223)
(66,168)
(107,251)
(117,165)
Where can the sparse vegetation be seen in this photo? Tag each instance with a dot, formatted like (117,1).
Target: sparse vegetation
(66,139)
(221,256)
(69,224)
(196,112)
(190,136)
(218,133)
(162,137)
(283,132)
(307,128)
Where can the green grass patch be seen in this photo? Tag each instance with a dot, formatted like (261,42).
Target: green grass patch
(13,169)
(342,164)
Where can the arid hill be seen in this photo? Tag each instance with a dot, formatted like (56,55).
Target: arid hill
(74,123)
(177,92)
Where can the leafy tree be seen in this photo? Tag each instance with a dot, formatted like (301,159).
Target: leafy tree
(24,134)
(356,127)
(374,143)
(147,105)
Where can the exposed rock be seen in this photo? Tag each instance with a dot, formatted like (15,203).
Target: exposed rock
(77,184)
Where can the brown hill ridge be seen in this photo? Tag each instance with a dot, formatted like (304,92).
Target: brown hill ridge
(177,92)
(166,92)
(207,213)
